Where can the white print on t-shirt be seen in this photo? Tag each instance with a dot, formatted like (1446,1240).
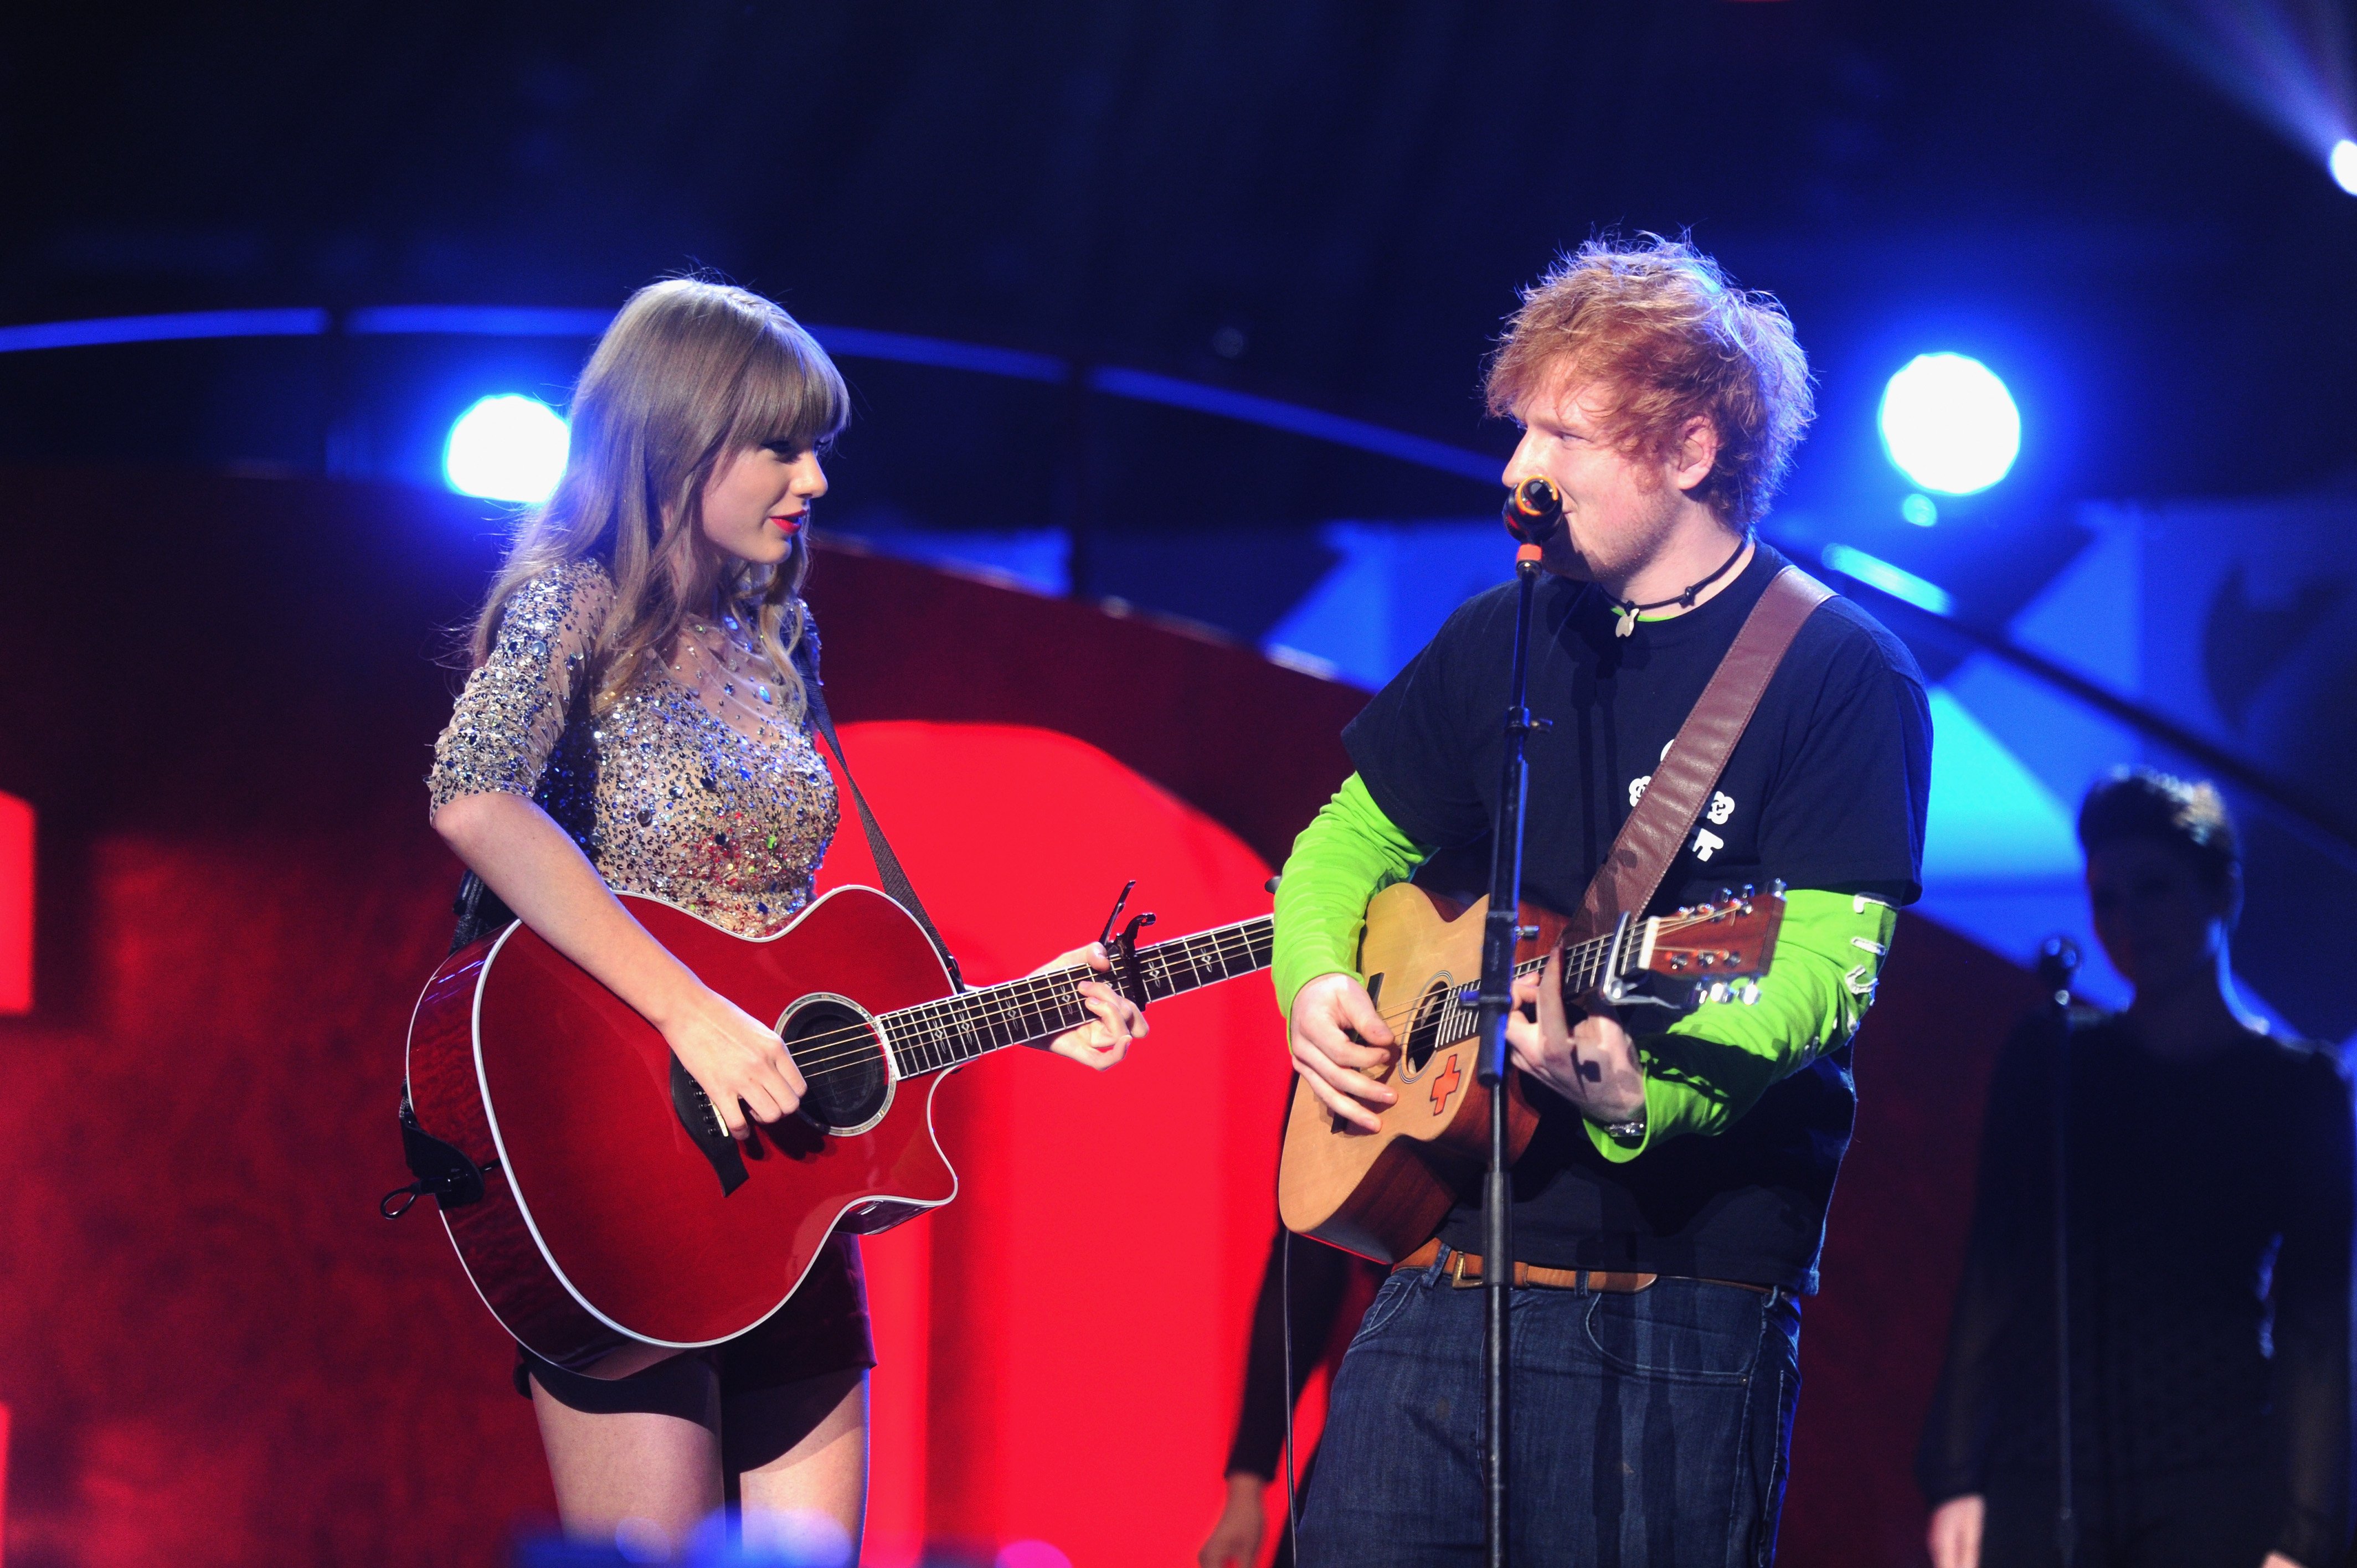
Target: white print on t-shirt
(1637,785)
(1722,806)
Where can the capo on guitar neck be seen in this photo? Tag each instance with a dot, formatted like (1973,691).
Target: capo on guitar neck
(1123,949)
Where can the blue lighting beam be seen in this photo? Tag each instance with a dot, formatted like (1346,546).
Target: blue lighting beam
(533,321)
(300,322)
(1896,581)
(2288,62)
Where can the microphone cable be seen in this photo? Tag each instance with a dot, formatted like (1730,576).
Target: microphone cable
(1285,1313)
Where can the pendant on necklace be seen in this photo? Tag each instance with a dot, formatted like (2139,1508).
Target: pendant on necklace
(1627,625)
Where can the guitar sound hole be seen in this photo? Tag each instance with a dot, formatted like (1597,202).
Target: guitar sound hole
(842,1062)
(1423,1032)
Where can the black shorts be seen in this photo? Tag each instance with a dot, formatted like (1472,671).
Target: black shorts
(731,1389)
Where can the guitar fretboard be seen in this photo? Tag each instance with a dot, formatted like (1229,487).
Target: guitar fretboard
(1586,965)
(957,1030)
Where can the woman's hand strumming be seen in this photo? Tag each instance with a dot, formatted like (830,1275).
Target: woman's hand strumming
(736,1060)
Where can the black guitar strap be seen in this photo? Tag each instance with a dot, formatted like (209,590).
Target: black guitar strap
(888,864)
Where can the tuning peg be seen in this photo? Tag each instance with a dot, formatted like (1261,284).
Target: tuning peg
(1751,994)
(1717,991)
(1776,888)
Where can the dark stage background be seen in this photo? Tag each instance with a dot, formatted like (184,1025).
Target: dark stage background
(218,1354)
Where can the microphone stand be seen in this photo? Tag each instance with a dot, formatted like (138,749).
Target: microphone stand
(2058,962)
(1533,513)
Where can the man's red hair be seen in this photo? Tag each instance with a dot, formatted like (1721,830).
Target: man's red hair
(1658,329)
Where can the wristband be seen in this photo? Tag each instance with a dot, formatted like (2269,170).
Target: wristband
(1628,1134)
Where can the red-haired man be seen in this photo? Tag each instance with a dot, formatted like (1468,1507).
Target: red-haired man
(1650,1425)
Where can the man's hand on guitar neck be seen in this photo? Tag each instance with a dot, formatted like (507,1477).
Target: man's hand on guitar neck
(1338,1038)
(1592,1063)
(1336,1035)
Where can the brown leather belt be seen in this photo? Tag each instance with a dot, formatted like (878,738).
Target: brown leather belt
(1465,1273)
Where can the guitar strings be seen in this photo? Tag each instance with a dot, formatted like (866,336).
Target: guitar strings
(1051,994)
(863,1040)
(983,1006)
(1586,957)
(979,1017)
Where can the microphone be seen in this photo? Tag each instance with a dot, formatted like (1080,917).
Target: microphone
(1533,511)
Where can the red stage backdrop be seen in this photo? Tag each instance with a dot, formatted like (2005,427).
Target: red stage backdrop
(1058,1346)
(215,1353)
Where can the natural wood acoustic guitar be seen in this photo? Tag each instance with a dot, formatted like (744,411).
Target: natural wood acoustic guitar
(619,1223)
(1384,1194)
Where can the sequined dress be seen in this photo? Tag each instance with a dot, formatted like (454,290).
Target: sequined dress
(713,802)
(663,791)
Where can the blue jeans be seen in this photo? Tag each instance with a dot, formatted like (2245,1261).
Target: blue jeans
(1648,1431)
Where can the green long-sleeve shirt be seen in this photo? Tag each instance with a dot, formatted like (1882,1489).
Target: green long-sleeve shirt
(1701,1073)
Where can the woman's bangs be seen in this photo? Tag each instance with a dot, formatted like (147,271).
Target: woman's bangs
(793,396)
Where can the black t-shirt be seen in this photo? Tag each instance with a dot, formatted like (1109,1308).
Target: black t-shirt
(1826,790)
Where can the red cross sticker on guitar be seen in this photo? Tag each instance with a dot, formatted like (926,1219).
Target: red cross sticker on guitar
(1444,1082)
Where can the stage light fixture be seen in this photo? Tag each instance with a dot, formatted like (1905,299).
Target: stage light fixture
(2343,162)
(1949,424)
(506,448)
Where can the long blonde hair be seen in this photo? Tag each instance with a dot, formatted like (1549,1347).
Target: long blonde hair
(690,375)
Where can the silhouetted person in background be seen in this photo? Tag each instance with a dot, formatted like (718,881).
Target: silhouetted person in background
(2208,1179)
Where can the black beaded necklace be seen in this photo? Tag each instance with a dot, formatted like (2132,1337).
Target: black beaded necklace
(1629,609)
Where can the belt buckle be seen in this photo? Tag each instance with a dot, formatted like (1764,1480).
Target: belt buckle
(1456,1274)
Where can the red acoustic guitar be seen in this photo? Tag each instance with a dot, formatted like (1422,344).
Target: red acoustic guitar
(618,1221)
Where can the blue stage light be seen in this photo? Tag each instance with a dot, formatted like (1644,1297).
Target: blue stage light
(1948,424)
(1896,581)
(507,449)
(1920,510)
(2344,165)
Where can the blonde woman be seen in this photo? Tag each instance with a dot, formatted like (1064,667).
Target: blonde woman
(636,720)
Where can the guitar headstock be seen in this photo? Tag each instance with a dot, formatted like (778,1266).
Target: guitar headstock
(1730,939)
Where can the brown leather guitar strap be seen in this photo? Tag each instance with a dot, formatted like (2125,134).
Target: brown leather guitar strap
(1641,853)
